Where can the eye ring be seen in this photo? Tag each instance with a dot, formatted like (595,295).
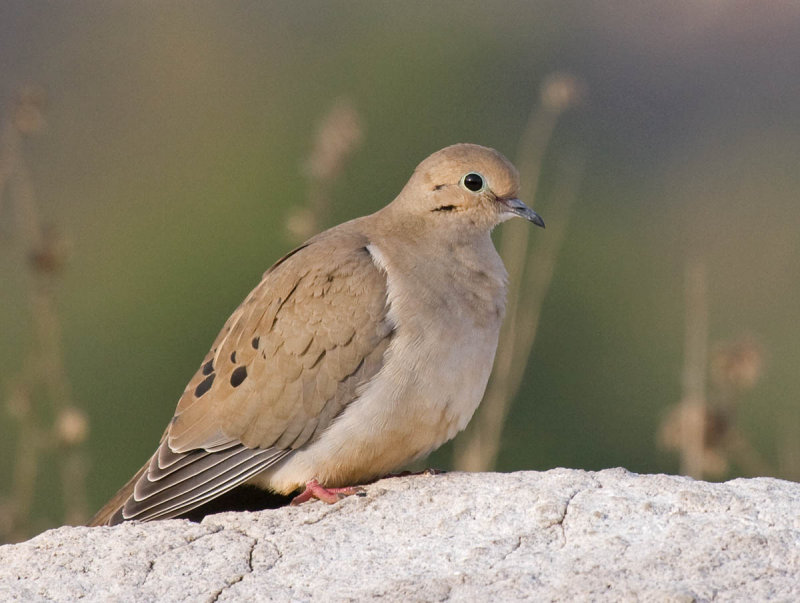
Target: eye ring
(473,182)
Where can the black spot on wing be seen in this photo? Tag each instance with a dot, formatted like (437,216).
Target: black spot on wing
(204,386)
(238,376)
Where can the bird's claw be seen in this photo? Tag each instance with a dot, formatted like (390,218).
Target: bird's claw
(327,495)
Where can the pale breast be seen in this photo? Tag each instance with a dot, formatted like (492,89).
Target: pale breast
(433,379)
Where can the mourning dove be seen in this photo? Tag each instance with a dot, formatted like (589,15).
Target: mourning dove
(365,348)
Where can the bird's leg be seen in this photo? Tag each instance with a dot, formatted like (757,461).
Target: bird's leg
(328,495)
(331,495)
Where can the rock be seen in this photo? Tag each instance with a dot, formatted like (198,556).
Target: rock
(561,535)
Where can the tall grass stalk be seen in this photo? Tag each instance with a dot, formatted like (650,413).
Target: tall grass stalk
(530,271)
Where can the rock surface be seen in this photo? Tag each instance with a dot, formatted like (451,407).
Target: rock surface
(561,535)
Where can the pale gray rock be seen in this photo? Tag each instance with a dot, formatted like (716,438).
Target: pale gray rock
(561,535)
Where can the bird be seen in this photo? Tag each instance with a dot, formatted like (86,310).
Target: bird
(364,349)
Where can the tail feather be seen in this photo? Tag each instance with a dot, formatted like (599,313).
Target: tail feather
(173,483)
(106,515)
(111,513)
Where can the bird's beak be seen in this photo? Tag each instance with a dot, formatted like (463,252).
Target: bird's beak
(517,207)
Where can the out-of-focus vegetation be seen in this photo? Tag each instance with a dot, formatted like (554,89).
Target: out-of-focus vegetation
(179,144)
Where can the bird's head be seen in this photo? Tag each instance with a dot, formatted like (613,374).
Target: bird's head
(466,186)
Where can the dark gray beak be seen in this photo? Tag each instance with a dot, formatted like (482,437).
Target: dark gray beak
(517,207)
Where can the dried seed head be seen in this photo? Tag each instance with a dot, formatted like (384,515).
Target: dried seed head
(72,426)
(337,137)
(737,365)
(28,109)
(561,91)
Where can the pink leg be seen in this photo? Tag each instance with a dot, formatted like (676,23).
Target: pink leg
(328,495)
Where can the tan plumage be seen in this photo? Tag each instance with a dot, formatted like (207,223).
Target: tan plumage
(365,348)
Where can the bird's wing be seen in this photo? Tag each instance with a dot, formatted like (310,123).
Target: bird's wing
(289,359)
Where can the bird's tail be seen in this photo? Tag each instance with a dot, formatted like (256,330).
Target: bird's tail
(111,514)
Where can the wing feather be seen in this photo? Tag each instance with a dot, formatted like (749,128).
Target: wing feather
(284,365)
(184,491)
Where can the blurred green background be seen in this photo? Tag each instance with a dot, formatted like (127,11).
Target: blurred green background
(177,135)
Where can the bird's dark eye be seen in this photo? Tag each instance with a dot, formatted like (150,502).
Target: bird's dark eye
(473,182)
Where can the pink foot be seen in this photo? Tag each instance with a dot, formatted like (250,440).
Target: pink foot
(328,495)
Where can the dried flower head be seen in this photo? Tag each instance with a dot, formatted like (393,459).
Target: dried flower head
(301,223)
(72,426)
(337,137)
(561,91)
(737,365)
(714,425)
(28,109)
(53,251)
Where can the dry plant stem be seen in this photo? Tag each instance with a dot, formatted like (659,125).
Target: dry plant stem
(16,184)
(72,461)
(338,136)
(43,367)
(790,448)
(477,449)
(694,370)
(748,458)
(7,145)
(74,469)
(15,181)
(26,463)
